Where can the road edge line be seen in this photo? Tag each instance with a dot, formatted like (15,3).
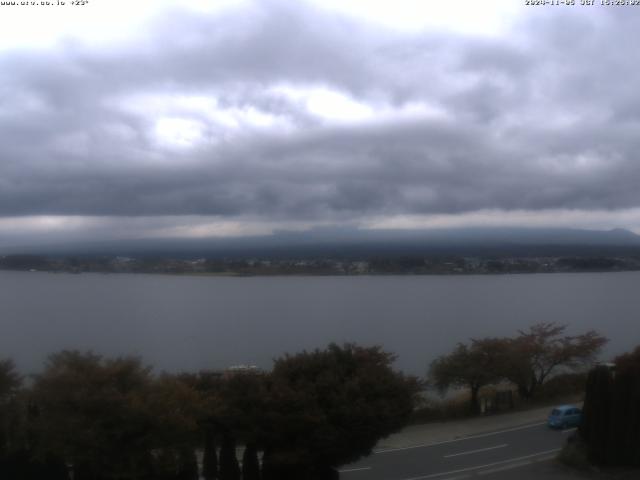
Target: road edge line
(470,437)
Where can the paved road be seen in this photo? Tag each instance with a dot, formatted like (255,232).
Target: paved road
(493,455)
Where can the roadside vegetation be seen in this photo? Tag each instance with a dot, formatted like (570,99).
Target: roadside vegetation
(542,364)
(609,435)
(538,363)
(88,417)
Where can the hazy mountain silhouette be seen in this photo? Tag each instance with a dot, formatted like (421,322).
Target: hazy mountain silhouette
(349,242)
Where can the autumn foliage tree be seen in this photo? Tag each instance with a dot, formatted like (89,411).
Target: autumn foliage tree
(528,360)
(96,418)
(240,415)
(172,411)
(330,407)
(208,385)
(629,361)
(10,382)
(110,418)
(544,349)
(90,412)
(471,366)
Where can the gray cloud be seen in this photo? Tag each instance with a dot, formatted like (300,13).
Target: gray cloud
(534,120)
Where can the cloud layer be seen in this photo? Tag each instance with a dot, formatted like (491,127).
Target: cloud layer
(283,112)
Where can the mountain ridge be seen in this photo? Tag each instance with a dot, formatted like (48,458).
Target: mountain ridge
(351,242)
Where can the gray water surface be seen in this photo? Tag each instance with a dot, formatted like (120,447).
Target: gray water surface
(181,323)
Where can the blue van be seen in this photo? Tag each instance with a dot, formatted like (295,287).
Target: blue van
(565,416)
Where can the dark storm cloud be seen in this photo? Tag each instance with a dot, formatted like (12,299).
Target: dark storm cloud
(546,117)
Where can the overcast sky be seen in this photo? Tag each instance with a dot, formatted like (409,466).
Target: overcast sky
(146,118)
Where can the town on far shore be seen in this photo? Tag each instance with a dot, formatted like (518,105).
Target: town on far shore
(392,265)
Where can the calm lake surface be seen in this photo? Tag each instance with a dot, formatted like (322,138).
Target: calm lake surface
(179,323)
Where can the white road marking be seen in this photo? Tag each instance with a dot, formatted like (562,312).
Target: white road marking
(569,430)
(505,467)
(471,437)
(476,451)
(354,469)
(545,459)
(457,478)
(479,467)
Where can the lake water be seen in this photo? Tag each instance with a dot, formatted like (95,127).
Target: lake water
(180,323)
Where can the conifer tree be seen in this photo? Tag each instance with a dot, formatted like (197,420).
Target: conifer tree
(210,456)
(229,468)
(187,464)
(597,412)
(250,463)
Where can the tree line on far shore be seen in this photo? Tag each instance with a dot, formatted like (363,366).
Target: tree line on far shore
(88,417)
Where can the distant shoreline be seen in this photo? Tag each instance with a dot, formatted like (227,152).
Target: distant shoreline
(311,274)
